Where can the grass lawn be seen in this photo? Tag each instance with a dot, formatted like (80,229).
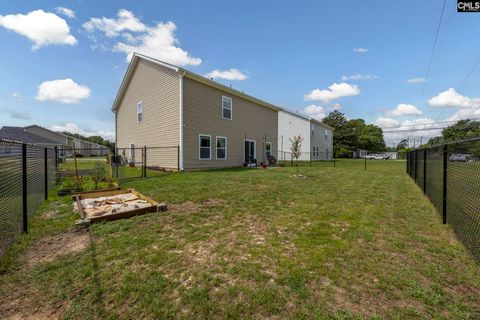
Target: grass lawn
(250,243)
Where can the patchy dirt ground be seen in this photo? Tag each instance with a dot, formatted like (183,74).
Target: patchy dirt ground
(52,247)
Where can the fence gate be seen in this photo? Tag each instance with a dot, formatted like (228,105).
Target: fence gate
(127,163)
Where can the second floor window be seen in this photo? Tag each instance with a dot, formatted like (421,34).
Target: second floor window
(226,108)
(139,112)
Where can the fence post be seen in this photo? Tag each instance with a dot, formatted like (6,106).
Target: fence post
(416,164)
(45,168)
(334,160)
(56,157)
(444,198)
(424,171)
(144,161)
(365,158)
(24,188)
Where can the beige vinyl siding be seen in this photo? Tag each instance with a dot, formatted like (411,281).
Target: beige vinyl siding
(159,90)
(202,114)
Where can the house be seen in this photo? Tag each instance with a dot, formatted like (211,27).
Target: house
(42,136)
(193,122)
(21,135)
(317,137)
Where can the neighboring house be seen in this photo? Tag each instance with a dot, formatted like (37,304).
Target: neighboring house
(42,136)
(317,137)
(21,135)
(198,123)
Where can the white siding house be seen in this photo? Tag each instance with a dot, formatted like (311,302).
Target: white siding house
(318,137)
(291,124)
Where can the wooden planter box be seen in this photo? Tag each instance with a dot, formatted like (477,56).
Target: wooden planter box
(153,205)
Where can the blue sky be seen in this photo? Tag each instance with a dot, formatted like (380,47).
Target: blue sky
(62,68)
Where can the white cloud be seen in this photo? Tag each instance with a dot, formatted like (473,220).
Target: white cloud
(42,28)
(159,42)
(126,21)
(361,50)
(17,96)
(358,76)
(464,114)
(334,91)
(386,122)
(403,109)
(423,128)
(314,111)
(73,128)
(452,98)
(66,12)
(231,74)
(335,107)
(62,90)
(416,80)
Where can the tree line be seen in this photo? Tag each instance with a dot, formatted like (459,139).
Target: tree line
(354,134)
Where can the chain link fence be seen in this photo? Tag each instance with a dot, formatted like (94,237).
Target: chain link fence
(449,175)
(26,174)
(84,169)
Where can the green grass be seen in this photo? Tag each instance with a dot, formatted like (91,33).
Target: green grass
(250,243)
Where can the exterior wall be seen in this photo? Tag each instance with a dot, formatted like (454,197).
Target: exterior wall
(54,136)
(202,114)
(159,90)
(290,125)
(322,137)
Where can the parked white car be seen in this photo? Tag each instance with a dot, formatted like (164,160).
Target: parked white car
(376,156)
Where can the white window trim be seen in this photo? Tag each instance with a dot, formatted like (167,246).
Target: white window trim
(254,148)
(199,146)
(139,103)
(216,148)
(231,108)
(271,148)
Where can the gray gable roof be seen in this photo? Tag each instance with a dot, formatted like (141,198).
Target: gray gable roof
(19,134)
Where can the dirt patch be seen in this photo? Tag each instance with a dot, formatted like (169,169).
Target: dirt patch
(186,207)
(213,202)
(52,247)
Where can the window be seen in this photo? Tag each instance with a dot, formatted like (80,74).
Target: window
(326,134)
(205,150)
(139,112)
(221,148)
(268,149)
(226,108)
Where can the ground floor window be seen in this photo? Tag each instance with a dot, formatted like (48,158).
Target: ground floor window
(221,148)
(268,149)
(205,149)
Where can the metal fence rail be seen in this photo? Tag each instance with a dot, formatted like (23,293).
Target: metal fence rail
(449,175)
(26,173)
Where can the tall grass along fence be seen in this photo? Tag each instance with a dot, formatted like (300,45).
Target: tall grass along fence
(26,173)
(449,175)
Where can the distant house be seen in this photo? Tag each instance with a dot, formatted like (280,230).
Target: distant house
(42,136)
(317,137)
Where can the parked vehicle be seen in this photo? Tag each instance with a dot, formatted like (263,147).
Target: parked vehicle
(376,156)
(459,157)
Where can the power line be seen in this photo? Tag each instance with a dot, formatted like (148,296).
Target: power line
(420,124)
(434,46)
(470,73)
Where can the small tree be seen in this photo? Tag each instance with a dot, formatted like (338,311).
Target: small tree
(296,147)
